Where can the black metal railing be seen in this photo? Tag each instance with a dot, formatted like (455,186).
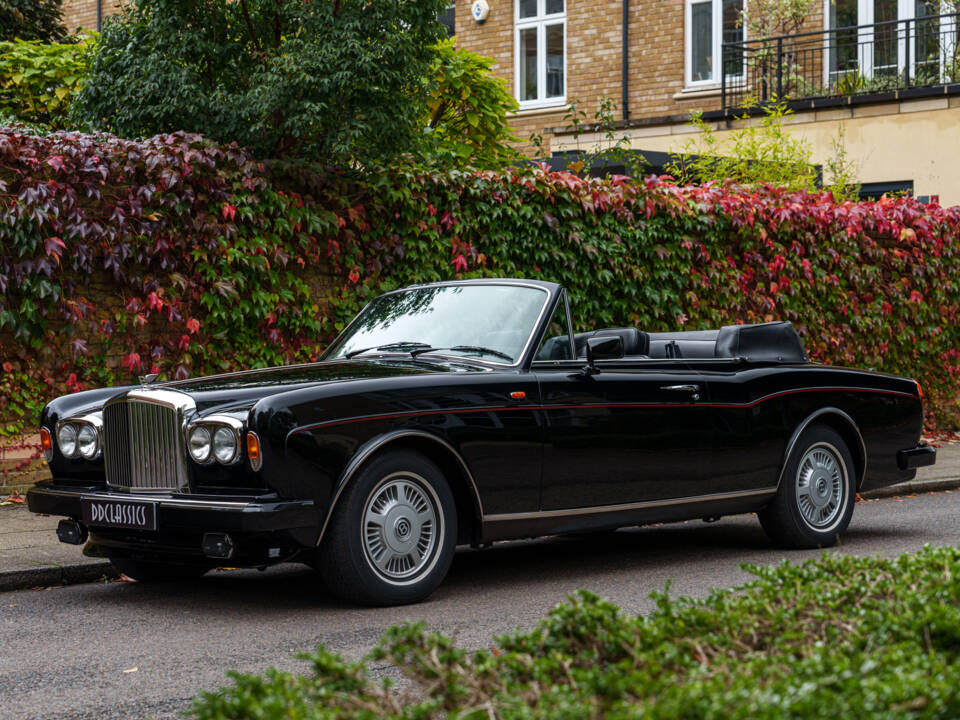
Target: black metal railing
(842,62)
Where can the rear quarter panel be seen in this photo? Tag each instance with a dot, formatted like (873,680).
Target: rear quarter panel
(759,409)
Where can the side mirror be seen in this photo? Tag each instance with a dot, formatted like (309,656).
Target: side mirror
(606,347)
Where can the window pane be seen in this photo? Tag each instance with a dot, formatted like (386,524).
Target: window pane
(733,33)
(928,40)
(528,64)
(701,33)
(554,61)
(843,44)
(528,8)
(556,343)
(885,38)
(554,6)
(447,19)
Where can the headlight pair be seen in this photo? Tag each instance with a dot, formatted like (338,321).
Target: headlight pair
(81,437)
(215,440)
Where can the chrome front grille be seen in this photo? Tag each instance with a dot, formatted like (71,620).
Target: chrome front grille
(143,440)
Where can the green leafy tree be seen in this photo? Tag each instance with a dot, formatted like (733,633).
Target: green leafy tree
(31,20)
(39,80)
(467,108)
(327,80)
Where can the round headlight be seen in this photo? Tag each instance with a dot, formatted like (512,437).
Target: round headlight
(88,442)
(67,437)
(225,445)
(200,445)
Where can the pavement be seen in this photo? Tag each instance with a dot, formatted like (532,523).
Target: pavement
(32,556)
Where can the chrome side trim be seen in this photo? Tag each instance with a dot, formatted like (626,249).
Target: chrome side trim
(803,426)
(626,507)
(377,443)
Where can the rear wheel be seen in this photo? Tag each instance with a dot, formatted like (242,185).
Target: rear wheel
(814,503)
(392,536)
(147,571)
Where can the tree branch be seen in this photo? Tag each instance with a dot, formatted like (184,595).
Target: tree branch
(249,22)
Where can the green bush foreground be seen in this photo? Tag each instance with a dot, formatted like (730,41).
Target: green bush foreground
(836,637)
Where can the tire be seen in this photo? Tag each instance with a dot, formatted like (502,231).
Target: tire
(393,533)
(148,572)
(815,500)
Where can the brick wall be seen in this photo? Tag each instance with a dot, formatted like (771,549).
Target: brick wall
(594,55)
(83,13)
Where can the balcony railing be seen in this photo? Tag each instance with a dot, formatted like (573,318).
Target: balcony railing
(885,57)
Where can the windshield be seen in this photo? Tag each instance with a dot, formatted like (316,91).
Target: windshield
(492,322)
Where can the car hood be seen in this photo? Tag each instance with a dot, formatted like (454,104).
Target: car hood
(236,391)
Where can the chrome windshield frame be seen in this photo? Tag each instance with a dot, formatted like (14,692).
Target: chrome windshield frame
(520,361)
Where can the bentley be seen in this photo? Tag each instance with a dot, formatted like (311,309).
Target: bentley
(464,413)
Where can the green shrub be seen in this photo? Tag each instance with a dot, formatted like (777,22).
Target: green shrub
(31,20)
(38,81)
(840,636)
(467,108)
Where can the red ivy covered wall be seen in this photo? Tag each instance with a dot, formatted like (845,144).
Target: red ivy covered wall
(179,256)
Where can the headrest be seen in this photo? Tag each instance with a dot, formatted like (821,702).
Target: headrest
(764,342)
(634,341)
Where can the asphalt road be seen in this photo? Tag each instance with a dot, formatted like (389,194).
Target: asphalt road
(63,651)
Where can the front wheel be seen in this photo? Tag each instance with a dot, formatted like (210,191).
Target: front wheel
(392,536)
(815,500)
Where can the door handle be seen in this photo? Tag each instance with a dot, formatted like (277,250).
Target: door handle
(694,389)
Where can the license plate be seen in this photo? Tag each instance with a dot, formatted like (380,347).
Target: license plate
(134,514)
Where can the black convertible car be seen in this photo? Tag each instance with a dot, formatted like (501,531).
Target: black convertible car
(465,413)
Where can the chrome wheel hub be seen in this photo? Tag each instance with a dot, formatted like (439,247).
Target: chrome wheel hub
(820,485)
(400,526)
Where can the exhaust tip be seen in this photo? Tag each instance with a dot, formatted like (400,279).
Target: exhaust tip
(217,545)
(71,532)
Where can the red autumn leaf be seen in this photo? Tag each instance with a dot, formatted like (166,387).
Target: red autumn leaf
(916,297)
(193,326)
(228,211)
(460,262)
(154,302)
(131,362)
(8,367)
(355,274)
(56,162)
(54,246)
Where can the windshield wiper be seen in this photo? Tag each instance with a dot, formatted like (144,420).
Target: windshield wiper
(464,348)
(417,347)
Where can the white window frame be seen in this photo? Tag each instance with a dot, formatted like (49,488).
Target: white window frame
(540,21)
(906,10)
(716,47)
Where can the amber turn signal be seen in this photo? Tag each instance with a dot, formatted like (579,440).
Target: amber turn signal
(919,389)
(253,450)
(46,444)
(518,395)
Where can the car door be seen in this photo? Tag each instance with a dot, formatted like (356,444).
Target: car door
(638,430)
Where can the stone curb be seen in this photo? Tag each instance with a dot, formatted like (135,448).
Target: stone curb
(913,487)
(46,575)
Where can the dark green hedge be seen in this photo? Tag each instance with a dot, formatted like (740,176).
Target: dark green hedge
(838,637)
(179,256)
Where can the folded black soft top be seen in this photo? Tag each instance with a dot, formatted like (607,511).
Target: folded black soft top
(763,342)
